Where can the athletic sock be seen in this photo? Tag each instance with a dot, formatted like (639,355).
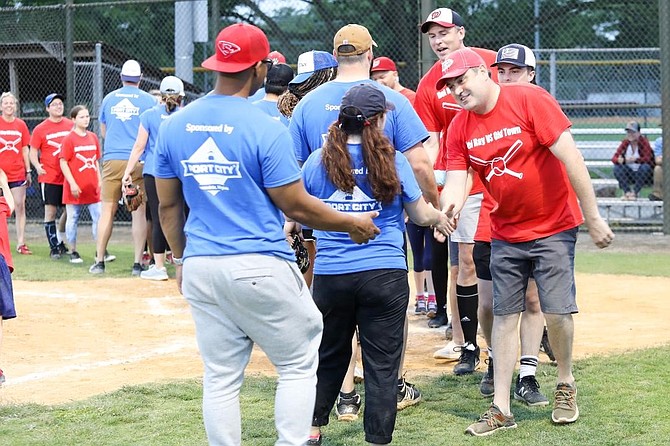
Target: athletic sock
(50,228)
(61,237)
(528,366)
(489,351)
(468,301)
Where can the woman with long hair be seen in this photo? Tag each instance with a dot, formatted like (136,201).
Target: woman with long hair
(172,93)
(358,170)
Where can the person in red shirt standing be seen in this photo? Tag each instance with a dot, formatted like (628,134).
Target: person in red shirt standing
(518,142)
(7,308)
(436,108)
(79,161)
(14,160)
(45,147)
(384,71)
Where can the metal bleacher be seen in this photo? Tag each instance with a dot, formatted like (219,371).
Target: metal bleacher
(597,155)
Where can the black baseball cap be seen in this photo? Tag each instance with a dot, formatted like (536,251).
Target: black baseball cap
(279,75)
(364,101)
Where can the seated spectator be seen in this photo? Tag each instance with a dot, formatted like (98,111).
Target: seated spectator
(657,193)
(633,162)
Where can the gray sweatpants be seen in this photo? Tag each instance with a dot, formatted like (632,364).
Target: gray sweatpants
(240,300)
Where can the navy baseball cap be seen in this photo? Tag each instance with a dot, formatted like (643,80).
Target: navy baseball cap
(279,75)
(50,98)
(364,100)
(312,61)
(515,54)
(445,17)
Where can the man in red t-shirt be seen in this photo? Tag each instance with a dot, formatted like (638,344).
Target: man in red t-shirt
(45,147)
(518,142)
(384,71)
(436,108)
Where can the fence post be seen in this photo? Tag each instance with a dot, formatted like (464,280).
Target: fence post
(69,55)
(664,44)
(97,87)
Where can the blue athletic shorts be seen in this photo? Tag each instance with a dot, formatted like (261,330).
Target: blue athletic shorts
(7,310)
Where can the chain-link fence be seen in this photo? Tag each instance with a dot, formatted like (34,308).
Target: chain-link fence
(599,58)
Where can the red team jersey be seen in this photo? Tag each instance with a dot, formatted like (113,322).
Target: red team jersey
(5,250)
(14,136)
(437,108)
(409,94)
(47,138)
(82,154)
(509,150)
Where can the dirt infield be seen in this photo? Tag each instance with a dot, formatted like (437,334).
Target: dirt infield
(73,339)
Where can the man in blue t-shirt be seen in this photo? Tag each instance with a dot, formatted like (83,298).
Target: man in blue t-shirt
(119,122)
(319,109)
(227,160)
(276,83)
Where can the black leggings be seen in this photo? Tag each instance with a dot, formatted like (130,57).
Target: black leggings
(440,273)
(158,241)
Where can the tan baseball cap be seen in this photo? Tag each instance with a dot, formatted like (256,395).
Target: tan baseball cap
(352,40)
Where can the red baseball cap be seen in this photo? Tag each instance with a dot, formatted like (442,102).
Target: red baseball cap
(238,47)
(383,64)
(276,57)
(457,63)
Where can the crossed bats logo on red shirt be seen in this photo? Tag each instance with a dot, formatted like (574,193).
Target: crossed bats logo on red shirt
(498,164)
(227,49)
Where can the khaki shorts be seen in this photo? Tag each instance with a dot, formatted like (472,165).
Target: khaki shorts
(112,173)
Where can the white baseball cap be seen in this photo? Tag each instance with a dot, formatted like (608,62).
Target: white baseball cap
(131,71)
(172,85)
(515,54)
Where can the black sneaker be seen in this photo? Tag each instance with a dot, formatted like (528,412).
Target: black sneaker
(137,269)
(97,268)
(62,249)
(75,257)
(55,254)
(468,361)
(545,347)
(486,385)
(527,390)
(408,395)
(438,321)
(347,408)
(314,441)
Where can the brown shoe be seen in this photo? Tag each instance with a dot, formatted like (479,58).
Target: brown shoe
(565,404)
(492,420)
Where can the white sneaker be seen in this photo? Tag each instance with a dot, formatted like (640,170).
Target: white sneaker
(448,352)
(154,273)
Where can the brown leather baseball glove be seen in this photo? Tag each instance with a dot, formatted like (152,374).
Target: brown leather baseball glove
(133,197)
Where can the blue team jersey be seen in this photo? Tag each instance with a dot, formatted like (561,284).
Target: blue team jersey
(120,112)
(320,108)
(151,121)
(226,153)
(271,109)
(260,94)
(338,254)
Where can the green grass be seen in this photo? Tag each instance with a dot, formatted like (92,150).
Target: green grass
(642,264)
(622,401)
(40,267)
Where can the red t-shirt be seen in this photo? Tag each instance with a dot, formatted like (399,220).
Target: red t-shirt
(47,138)
(14,136)
(509,150)
(437,108)
(409,94)
(82,154)
(5,249)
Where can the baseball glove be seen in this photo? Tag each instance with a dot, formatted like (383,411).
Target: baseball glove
(301,254)
(133,197)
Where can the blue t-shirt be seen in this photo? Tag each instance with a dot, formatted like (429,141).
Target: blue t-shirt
(226,153)
(337,253)
(260,94)
(320,108)
(151,121)
(271,109)
(120,112)
(658,146)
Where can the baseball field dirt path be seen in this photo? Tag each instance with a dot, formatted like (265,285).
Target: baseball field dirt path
(76,339)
